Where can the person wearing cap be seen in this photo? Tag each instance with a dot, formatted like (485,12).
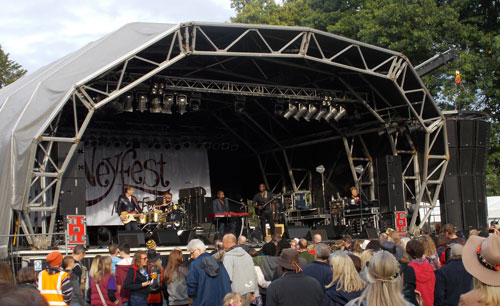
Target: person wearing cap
(151,244)
(53,283)
(155,270)
(452,280)
(481,258)
(293,287)
(240,268)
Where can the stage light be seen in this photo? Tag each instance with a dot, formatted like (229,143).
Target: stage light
(216,146)
(155,106)
(177,146)
(290,111)
(342,112)
(322,112)
(239,104)
(168,145)
(312,110)
(181,102)
(359,169)
(186,144)
(207,145)
(195,102)
(142,105)
(128,101)
(301,110)
(279,108)
(115,107)
(225,146)
(168,101)
(332,111)
(155,88)
(162,89)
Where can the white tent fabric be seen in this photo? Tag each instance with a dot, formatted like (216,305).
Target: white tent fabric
(493,208)
(29,104)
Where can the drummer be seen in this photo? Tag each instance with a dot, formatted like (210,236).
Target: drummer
(167,202)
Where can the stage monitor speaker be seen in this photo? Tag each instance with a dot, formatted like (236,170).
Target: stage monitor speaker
(166,237)
(134,239)
(482,133)
(451,130)
(186,236)
(329,229)
(370,233)
(321,232)
(297,231)
(452,169)
(466,133)
(466,163)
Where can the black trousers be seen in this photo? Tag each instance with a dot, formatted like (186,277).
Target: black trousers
(266,217)
(132,226)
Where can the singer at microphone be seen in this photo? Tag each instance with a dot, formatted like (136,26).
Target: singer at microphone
(221,205)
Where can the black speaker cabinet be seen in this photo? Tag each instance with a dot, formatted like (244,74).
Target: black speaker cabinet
(166,237)
(452,169)
(451,129)
(482,133)
(390,183)
(371,233)
(134,239)
(297,231)
(466,164)
(467,133)
(329,229)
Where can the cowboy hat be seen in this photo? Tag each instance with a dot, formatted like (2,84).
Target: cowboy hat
(289,259)
(153,256)
(481,258)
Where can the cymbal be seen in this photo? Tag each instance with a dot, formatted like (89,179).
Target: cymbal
(154,203)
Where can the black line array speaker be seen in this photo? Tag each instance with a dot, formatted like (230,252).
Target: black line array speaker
(390,183)
(167,237)
(463,193)
(297,231)
(134,239)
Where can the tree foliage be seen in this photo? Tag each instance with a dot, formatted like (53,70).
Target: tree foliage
(9,70)
(419,29)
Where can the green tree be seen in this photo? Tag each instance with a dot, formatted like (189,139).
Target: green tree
(9,70)
(291,12)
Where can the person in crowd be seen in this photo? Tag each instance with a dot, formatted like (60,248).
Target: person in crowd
(284,244)
(365,259)
(425,279)
(155,270)
(347,243)
(10,295)
(53,283)
(473,232)
(68,264)
(373,245)
(276,238)
(357,249)
(6,274)
(356,261)
(175,279)
(114,251)
(320,268)
(481,258)
(103,290)
(442,242)
(240,268)
(293,288)
(26,278)
(395,237)
(94,266)
(383,237)
(208,281)
(404,241)
(232,299)
(78,276)
(430,254)
(243,243)
(294,243)
(151,245)
(346,283)
(304,252)
(267,266)
(392,248)
(451,235)
(452,280)
(384,283)
(317,238)
(137,280)
(121,272)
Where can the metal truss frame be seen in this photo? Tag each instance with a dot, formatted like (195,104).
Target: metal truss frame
(41,196)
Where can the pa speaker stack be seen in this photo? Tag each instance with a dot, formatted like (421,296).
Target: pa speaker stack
(463,193)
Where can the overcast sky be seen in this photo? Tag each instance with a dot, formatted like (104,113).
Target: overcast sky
(36,32)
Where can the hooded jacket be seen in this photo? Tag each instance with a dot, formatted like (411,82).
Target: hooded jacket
(133,283)
(240,268)
(425,280)
(334,297)
(208,281)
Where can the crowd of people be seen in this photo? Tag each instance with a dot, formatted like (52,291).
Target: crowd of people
(445,268)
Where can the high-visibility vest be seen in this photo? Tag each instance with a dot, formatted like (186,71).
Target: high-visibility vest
(49,286)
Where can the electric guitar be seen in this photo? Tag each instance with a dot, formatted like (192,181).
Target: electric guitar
(259,209)
(128,217)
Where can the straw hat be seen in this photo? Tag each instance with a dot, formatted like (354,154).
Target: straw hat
(481,258)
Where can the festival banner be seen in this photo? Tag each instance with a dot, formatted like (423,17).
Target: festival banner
(151,172)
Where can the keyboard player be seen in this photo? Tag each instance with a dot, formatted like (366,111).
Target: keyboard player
(220,205)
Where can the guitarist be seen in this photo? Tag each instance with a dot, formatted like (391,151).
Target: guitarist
(128,203)
(266,214)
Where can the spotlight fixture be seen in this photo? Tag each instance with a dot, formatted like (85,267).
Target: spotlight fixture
(168,145)
(290,111)
(312,110)
(181,102)
(168,101)
(207,145)
(177,146)
(239,104)
(332,111)
(279,108)
(155,106)
(342,112)
(128,101)
(216,146)
(195,102)
(155,88)
(301,110)
(321,113)
(142,105)
(186,144)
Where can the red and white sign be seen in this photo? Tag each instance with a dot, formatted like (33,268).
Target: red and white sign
(76,229)
(401,223)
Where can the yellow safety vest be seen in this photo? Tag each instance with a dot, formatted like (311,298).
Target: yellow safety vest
(49,286)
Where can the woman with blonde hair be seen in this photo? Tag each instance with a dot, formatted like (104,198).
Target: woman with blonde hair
(430,254)
(384,283)
(346,283)
(232,299)
(94,266)
(365,259)
(103,289)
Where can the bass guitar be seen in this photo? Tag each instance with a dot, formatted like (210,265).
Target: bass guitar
(259,209)
(128,217)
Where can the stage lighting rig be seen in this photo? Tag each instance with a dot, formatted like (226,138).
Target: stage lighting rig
(342,112)
(168,101)
(155,106)
(142,104)
(301,110)
(311,111)
(332,111)
(181,102)
(290,111)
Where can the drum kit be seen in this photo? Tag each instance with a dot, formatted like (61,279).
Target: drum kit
(153,218)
